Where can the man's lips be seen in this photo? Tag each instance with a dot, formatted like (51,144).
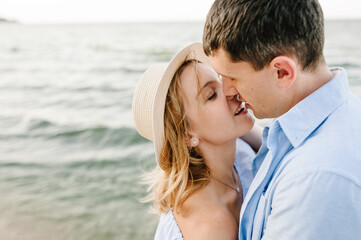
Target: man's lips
(242,106)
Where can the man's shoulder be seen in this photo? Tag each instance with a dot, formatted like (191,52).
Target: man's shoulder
(338,136)
(300,176)
(314,154)
(335,144)
(317,157)
(350,109)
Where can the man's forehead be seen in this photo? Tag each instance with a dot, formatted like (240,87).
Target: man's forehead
(216,61)
(221,67)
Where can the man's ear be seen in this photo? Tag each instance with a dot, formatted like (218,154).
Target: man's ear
(286,70)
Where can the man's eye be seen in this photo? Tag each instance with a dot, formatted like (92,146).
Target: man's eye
(213,96)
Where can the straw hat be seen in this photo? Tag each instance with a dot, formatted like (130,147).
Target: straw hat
(151,92)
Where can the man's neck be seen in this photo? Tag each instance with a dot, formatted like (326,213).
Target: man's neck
(308,82)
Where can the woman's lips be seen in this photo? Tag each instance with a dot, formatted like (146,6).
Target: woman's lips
(241,109)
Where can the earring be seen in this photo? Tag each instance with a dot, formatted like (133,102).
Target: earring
(194,141)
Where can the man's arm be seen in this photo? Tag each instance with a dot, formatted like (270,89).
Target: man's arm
(314,206)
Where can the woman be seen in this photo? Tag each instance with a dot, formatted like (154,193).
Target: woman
(203,171)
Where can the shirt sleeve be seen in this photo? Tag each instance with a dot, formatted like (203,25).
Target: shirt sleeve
(313,206)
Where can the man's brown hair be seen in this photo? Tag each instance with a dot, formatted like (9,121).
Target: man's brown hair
(256,31)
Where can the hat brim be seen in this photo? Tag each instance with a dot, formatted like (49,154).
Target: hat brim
(192,52)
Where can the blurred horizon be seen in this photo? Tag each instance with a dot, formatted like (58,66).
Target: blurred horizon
(15,21)
(115,11)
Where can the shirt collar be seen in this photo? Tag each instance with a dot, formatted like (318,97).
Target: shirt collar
(301,120)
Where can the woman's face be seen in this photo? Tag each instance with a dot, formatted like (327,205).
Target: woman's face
(212,117)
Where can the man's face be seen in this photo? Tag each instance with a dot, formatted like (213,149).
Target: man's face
(257,88)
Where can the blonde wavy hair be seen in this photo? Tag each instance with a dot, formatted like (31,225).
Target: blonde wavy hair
(181,170)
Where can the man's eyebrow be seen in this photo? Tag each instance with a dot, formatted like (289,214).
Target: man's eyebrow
(206,85)
(222,75)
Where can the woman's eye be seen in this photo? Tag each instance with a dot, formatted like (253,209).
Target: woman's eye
(213,96)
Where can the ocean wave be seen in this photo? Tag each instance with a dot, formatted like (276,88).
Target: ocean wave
(349,65)
(159,55)
(28,128)
(36,124)
(102,136)
(8,70)
(99,136)
(14,50)
(94,164)
(23,165)
(160,52)
(123,69)
(132,70)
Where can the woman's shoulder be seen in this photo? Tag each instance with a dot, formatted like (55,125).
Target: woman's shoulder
(168,228)
(215,223)
(205,218)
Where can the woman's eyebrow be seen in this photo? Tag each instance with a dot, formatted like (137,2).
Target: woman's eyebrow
(206,85)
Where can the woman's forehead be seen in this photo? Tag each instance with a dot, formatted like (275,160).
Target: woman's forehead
(199,72)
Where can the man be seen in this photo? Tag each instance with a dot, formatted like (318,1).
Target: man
(307,182)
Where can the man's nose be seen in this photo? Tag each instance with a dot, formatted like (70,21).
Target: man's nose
(228,88)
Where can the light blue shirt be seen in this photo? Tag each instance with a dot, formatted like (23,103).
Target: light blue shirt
(308,171)
(168,228)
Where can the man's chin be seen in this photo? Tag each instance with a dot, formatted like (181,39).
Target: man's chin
(258,115)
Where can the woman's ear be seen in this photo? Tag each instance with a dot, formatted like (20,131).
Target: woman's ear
(286,70)
(194,141)
(191,141)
